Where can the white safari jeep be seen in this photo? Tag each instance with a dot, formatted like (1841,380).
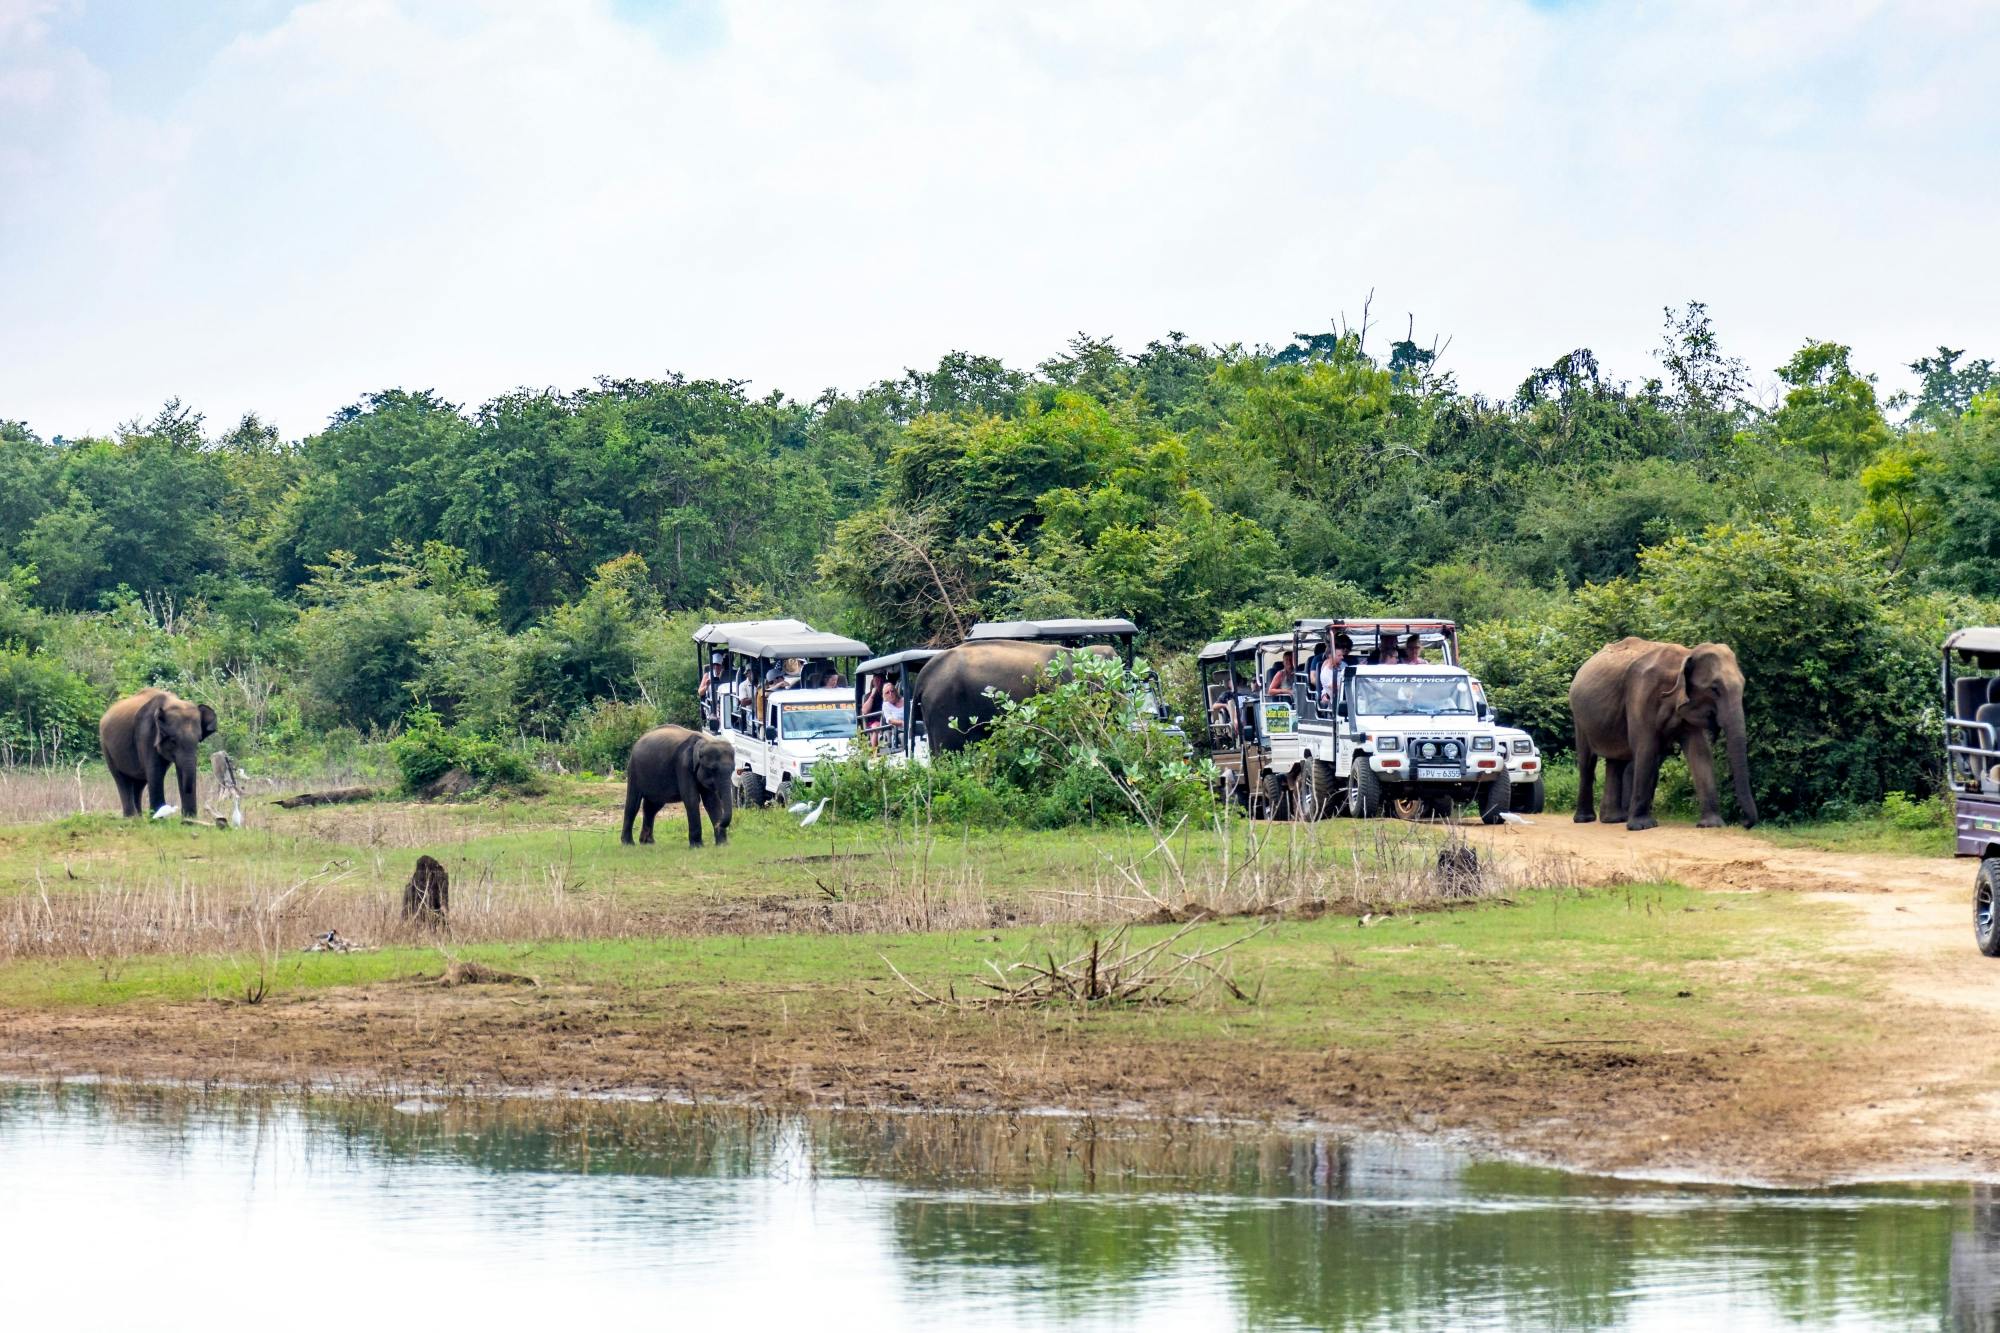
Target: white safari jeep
(1388,730)
(1419,733)
(784,701)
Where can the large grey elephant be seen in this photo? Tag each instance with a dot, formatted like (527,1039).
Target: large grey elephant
(950,692)
(1633,703)
(674,764)
(142,735)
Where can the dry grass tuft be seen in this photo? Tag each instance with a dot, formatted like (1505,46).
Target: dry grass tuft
(108,921)
(1112,971)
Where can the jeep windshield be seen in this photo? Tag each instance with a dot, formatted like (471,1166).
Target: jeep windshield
(1425,696)
(816,722)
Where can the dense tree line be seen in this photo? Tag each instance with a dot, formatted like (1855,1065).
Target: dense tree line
(531,567)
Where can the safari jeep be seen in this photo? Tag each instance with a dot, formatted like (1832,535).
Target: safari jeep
(904,742)
(1395,736)
(782,729)
(1252,736)
(1972,758)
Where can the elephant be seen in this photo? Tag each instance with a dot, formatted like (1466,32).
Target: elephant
(1633,702)
(674,764)
(142,735)
(950,692)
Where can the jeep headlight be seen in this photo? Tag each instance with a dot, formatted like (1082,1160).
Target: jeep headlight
(1522,745)
(1482,742)
(1386,744)
(1451,749)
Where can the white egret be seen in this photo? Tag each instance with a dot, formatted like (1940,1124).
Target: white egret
(813,818)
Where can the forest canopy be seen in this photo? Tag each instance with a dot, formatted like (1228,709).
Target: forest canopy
(529,568)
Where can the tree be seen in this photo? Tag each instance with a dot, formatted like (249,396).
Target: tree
(1829,412)
(1704,386)
(1948,389)
(66,549)
(1901,505)
(372,630)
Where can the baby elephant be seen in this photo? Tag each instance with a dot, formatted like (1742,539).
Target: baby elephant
(675,764)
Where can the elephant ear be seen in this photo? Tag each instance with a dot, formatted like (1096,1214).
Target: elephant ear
(1706,669)
(146,724)
(207,722)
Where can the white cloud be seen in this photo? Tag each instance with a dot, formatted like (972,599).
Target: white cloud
(474,196)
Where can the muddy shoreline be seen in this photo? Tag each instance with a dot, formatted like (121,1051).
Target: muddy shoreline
(1741,1117)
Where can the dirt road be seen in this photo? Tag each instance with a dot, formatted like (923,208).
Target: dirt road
(1934,1102)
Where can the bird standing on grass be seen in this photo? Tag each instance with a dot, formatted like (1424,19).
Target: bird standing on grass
(813,818)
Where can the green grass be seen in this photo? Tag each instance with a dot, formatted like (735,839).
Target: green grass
(1865,833)
(1555,966)
(573,830)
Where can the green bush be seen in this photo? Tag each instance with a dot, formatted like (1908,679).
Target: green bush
(600,738)
(1083,751)
(426,750)
(1918,814)
(47,714)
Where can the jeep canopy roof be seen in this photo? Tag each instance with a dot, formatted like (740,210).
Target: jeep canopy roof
(1222,648)
(1050,629)
(722,630)
(1396,625)
(779,638)
(913,656)
(1979,640)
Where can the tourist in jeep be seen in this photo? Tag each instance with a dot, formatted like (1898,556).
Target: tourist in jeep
(1279,684)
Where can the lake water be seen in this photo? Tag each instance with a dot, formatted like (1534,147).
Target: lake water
(136,1208)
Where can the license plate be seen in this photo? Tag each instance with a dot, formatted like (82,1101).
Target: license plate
(1437,774)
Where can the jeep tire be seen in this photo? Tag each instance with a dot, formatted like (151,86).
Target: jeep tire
(1532,798)
(1986,907)
(1320,796)
(1494,798)
(1272,800)
(1364,792)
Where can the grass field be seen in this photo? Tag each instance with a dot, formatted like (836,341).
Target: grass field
(789,964)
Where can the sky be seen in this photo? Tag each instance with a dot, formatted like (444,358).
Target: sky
(273,206)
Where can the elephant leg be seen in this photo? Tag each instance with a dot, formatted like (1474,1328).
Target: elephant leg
(631,813)
(1701,767)
(691,801)
(1643,775)
(128,792)
(651,808)
(712,802)
(1586,781)
(156,783)
(1617,791)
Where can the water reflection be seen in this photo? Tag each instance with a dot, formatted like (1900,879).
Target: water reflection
(207,1207)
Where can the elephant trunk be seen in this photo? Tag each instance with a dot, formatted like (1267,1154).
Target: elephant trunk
(1739,760)
(720,810)
(184,770)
